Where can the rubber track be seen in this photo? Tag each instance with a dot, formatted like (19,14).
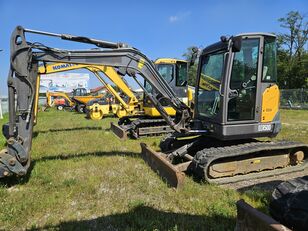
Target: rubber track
(205,157)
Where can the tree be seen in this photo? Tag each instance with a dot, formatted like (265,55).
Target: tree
(292,56)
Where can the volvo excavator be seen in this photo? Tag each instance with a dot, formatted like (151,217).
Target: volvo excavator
(237,101)
(216,142)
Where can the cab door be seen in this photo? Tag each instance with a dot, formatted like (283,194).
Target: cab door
(242,88)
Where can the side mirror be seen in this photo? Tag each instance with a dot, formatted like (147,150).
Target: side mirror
(194,55)
(236,44)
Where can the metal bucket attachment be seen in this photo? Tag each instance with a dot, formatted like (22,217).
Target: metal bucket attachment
(173,175)
(249,219)
(118,131)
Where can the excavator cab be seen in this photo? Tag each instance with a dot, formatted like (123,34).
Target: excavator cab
(175,73)
(236,92)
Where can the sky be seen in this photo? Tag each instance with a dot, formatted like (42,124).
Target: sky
(157,28)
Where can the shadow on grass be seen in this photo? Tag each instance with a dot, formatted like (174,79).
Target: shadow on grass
(35,133)
(13,180)
(87,154)
(144,217)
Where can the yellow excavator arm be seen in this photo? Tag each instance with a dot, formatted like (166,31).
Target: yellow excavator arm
(96,70)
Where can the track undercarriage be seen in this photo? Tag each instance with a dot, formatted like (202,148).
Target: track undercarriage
(136,127)
(224,161)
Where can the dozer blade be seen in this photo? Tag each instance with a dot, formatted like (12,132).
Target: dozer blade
(118,131)
(248,218)
(173,176)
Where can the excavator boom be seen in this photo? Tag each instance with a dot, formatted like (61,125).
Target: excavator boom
(23,89)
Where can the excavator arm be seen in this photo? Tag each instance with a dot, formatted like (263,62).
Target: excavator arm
(23,88)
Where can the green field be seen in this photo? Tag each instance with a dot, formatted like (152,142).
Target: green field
(84,178)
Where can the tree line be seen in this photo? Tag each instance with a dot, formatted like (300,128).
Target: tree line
(292,53)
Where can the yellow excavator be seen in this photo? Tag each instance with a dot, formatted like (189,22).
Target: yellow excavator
(150,122)
(127,106)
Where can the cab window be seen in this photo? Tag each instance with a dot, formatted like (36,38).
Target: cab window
(269,60)
(181,71)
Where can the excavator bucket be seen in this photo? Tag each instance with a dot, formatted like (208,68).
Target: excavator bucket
(248,218)
(173,175)
(118,131)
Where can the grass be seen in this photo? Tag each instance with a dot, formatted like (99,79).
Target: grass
(84,178)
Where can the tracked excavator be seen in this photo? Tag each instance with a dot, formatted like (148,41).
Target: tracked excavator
(150,123)
(128,107)
(236,101)
(216,142)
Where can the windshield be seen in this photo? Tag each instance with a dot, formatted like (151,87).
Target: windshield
(166,71)
(209,84)
(181,71)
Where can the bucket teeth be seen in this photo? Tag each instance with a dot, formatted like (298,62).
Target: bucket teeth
(173,176)
(118,131)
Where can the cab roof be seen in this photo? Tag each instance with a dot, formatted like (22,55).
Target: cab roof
(221,45)
(168,61)
(256,34)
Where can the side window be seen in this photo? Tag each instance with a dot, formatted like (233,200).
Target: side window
(147,86)
(269,60)
(241,105)
(181,70)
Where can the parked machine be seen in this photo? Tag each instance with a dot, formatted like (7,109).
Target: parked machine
(229,116)
(81,97)
(150,122)
(60,100)
(216,142)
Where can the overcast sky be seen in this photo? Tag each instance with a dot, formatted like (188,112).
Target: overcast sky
(157,28)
